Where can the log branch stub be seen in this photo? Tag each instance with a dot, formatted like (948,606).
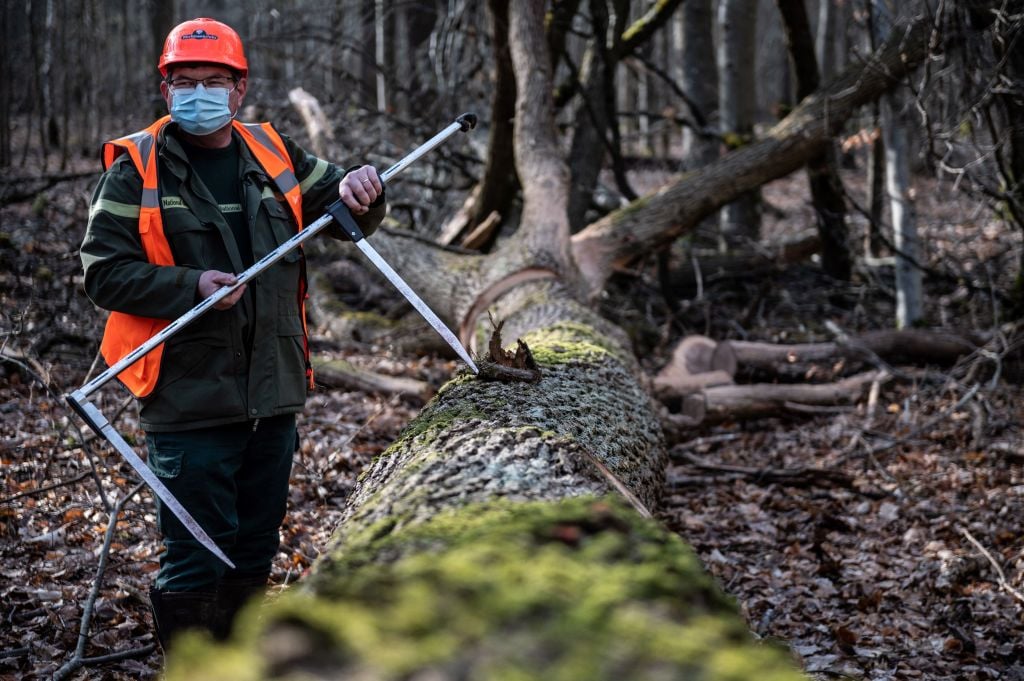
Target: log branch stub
(503,365)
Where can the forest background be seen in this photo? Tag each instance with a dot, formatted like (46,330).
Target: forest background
(812,254)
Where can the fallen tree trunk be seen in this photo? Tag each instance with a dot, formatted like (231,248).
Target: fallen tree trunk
(737,402)
(698,361)
(710,266)
(339,373)
(916,346)
(502,536)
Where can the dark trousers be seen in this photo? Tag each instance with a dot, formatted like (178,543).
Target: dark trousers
(234,481)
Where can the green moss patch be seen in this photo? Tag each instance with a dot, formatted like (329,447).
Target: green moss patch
(579,589)
(568,341)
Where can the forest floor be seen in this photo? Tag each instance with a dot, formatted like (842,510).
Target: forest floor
(905,561)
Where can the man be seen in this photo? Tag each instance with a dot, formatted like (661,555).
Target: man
(181,207)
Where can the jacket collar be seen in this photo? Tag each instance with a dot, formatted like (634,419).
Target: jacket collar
(172,153)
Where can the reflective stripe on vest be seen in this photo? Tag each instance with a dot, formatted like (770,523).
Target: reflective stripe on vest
(125,332)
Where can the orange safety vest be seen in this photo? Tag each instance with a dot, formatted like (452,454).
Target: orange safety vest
(125,332)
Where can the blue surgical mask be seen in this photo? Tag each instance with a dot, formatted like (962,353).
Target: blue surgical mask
(201,111)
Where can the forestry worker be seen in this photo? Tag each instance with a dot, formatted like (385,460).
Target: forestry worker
(181,207)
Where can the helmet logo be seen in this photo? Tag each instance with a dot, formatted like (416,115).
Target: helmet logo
(199,34)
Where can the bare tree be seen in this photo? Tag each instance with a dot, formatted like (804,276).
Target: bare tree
(826,187)
(6,103)
(737,96)
(825,38)
(909,284)
(699,81)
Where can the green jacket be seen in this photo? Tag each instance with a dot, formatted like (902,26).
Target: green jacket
(227,366)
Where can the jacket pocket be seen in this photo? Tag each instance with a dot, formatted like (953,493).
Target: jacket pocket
(292,385)
(192,241)
(192,356)
(165,462)
(199,381)
(282,228)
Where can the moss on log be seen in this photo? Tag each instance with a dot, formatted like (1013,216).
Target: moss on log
(580,589)
(502,536)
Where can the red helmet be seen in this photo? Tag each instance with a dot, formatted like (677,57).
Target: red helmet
(203,40)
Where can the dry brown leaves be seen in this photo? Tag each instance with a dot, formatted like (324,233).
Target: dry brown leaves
(878,581)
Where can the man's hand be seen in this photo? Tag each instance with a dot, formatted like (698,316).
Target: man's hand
(211,281)
(359,188)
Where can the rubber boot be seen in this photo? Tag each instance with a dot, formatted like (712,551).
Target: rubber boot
(233,593)
(176,611)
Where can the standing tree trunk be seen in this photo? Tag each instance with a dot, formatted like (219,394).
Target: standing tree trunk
(161,21)
(737,101)
(498,186)
(1011,102)
(379,60)
(496,191)
(700,83)
(51,131)
(5,92)
(589,145)
(874,244)
(597,131)
(825,39)
(909,296)
(826,187)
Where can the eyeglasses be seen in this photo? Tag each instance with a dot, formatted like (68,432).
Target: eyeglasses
(224,82)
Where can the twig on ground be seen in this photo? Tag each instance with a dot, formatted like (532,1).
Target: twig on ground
(1000,575)
(120,655)
(14,652)
(927,425)
(45,488)
(1011,450)
(708,440)
(799,477)
(79,660)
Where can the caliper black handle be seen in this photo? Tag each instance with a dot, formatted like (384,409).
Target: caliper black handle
(343,216)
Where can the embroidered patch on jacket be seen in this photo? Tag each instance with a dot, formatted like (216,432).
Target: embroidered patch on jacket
(230,207)
(172,202)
